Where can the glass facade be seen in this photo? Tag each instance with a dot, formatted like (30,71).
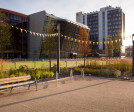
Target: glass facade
(92,23)
(114,23)
(103,28)
(18,48)
(68,47)
(84,19)
(115,27)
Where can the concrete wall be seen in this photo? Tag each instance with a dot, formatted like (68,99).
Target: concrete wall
(36,23)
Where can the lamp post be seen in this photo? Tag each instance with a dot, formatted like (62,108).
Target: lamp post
(133,53)
(58,49)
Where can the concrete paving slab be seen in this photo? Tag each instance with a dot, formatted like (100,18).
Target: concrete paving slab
(91,94)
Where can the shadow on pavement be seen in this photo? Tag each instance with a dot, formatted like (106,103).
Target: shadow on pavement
(58,93)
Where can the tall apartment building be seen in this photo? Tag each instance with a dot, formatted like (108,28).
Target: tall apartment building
(109,21)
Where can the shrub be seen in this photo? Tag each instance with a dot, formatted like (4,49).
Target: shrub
(12,75)
(13,71)
(48,74)
(41,75)
(54,68)
(117,73)
(20,74)
(33,76)
(64,70)
(38,74)
(45,74)
(88,71)
(126,73)
(77,70)
(106,72)
(23,68)
(51,74)
(24,74)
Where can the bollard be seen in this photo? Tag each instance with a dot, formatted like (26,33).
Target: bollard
(71,75)
(81,71)
(56,79)
(83,74)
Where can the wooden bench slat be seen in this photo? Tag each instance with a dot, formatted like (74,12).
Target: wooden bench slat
(18,84)
(8,82)
(14,79)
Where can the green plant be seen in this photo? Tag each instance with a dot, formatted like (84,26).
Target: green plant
(126,73)
(77,70)
(48,74)
(54,68)
(106,72)
(38,74)
(117,73)
(20,74)
(12,75)
(51,74)
(64,70)
(23,68)
(41,75)
(33,76)
(13,71)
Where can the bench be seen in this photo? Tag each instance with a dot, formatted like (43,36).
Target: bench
(10,83)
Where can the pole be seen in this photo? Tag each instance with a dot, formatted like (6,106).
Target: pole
(71,75)
(56,79)
(58,49)
(133,52)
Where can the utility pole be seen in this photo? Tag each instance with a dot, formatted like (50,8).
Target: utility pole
(58,49)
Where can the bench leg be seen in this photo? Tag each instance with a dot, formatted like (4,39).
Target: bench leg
(11,89)
(29,86)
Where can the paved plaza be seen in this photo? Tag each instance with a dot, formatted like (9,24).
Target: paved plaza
(90,94)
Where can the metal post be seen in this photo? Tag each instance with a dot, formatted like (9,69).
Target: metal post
(56,78)
(83,74)
(58,49)
(133,52)
(71,75)
(81,71)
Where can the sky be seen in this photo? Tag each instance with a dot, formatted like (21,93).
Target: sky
(67,9)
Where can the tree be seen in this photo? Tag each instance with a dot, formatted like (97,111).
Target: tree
(110,46)
(49,45)
(5,34)
(117,48)
(84,47)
